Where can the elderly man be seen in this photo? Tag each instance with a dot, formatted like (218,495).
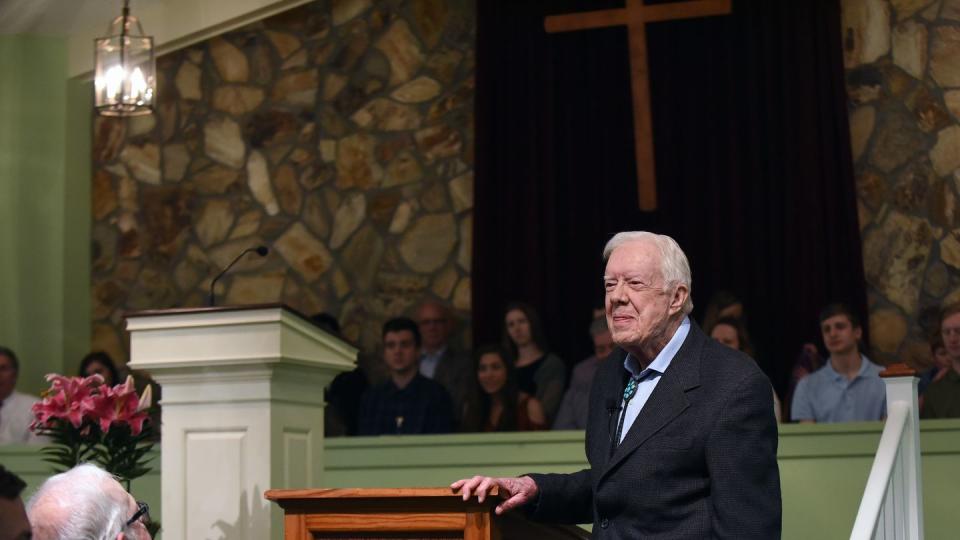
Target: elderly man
(86,502)
(13,518)
(681,436)
(439,360)
(15,407)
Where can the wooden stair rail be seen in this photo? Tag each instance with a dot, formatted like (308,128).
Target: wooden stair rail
(892,504)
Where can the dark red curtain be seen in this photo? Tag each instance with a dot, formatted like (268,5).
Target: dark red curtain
(753,165)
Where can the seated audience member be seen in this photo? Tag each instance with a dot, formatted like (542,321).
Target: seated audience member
(439,360)
(344,393)
(731,332)
(940,367)
(573,408)
(13,518)
(371,365)
(942,398)
(539,373)
(100,363)
(499,405)
(723,304)
(848,387)
(807,362)
(15,407)
(328,323)
(407,402)
(86,502)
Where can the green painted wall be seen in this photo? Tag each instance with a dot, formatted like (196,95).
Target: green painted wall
(44,207)
(75,272)
(9,192)
(823,469)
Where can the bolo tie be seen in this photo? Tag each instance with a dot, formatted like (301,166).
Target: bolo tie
(628,393)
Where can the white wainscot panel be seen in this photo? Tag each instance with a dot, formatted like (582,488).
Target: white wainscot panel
(214,476)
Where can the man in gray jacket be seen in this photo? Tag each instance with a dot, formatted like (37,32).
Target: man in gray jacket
(439,360)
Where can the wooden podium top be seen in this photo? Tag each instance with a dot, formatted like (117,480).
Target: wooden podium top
(405,513)
(281,495)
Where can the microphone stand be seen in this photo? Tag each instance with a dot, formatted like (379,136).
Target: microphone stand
(212,300)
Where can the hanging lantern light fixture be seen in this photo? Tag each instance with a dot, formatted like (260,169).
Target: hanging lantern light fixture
(125,81)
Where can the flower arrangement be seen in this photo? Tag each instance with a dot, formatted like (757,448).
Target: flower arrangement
(88,421)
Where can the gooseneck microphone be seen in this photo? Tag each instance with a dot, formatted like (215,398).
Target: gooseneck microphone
(259,250)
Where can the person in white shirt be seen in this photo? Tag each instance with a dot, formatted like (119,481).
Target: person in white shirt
(15,407)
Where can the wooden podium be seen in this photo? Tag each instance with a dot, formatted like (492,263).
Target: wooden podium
(410,513)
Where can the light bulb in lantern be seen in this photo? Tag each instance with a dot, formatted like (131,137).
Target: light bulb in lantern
(138,86)
(114,81)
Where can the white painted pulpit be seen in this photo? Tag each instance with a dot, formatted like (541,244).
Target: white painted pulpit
(242,412)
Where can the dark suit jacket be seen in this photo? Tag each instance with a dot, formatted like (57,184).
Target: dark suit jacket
(455,373)
(699,462)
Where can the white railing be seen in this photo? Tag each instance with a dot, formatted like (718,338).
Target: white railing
(892,505)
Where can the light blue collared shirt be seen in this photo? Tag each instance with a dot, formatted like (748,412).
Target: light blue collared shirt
(650,376)
(828,396)
(428,362)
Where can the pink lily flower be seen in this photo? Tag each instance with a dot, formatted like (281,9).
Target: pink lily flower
(119,405)
(69,398)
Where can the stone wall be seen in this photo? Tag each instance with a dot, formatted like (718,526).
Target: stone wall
(339,134)
(902,61)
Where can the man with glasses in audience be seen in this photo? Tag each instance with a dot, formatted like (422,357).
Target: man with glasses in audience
(439,360)
(942,398)
(86,502)
(573,408)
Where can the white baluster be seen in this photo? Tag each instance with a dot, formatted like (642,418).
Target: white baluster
(892,504)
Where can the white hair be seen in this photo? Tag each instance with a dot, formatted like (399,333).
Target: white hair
(73,505)
(674,267)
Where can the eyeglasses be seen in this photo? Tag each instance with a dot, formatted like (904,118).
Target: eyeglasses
(143,510)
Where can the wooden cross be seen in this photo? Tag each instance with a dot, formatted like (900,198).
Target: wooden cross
(635,15)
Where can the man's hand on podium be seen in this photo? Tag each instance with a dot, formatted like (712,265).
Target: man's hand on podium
(520,490)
